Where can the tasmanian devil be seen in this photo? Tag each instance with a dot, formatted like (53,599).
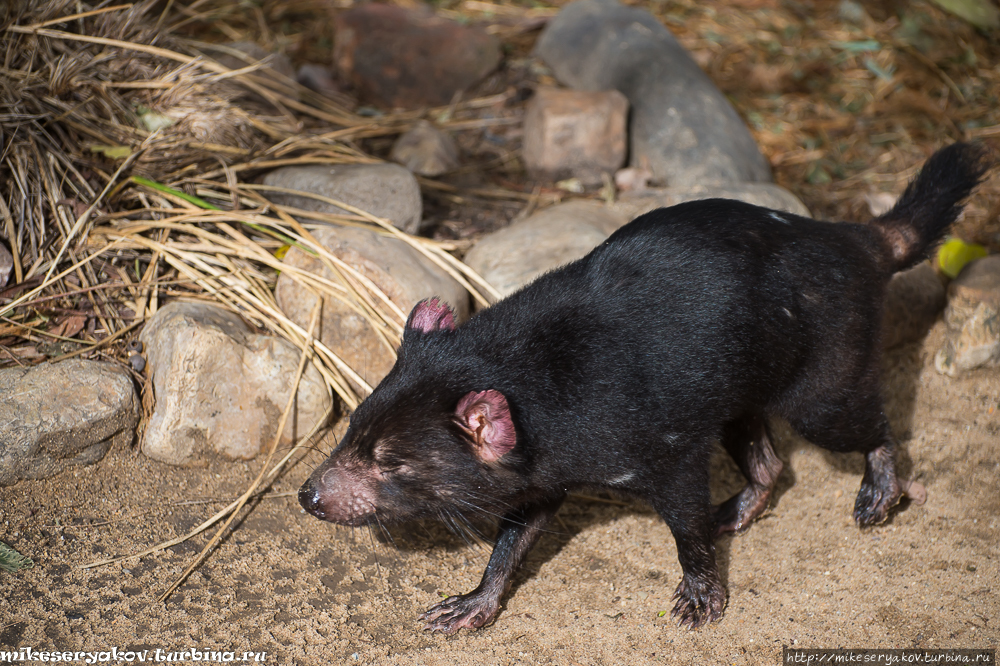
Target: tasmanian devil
(687,326)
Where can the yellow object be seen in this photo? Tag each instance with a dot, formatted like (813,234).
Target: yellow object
(956,253)
(111,152)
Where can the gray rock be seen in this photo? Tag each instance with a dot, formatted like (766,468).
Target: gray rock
(575,134)
(400,271)
(769,195)
(6,265)
(220,388)
(973,319)
(384,190)
(913,301)
(514,256)
(426,150)
(976,345)
(979,282)
(318,79)
(54,416)
(683,128)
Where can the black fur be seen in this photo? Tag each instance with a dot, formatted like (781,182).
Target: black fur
(687,326)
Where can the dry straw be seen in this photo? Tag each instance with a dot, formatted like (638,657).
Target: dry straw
(127,159)
(126,178)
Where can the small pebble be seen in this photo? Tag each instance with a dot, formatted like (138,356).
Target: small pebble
(138,363)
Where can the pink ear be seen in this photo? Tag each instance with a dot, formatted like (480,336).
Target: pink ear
(431,314)
(485,417)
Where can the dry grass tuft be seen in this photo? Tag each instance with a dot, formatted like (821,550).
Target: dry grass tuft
(127,156)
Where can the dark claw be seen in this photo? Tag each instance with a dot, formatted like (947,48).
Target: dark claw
(698,603)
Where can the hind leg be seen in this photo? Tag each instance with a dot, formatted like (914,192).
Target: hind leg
(881,487)
(748,441)
(861,426)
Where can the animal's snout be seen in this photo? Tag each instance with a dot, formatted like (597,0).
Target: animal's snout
(339,494)
(310,501)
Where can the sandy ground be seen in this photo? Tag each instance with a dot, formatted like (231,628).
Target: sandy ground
(306,592)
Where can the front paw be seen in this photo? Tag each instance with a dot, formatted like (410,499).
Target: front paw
(698,602)
(465,611)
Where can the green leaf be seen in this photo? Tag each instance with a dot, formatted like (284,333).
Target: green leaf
(877,70)
(574,185)
(12,561)
(200,203)
(153,120)
(817,175)
(911,31)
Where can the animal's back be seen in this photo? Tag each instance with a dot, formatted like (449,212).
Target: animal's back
(691,314)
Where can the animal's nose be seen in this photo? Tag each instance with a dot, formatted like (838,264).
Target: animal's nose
(309,499)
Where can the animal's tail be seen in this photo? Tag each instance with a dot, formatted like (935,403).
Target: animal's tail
(931,203)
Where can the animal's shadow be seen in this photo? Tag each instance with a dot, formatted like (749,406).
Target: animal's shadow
(594,508)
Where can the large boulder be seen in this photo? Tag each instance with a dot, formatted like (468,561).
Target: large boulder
(59,415)
(514,256)
(220,388)
(405,275)
(683,128)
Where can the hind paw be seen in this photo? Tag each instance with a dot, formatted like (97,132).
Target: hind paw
(736,514)
(875,501)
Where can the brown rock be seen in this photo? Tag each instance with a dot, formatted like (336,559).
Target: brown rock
(402,273)
(403,58)
(572,133)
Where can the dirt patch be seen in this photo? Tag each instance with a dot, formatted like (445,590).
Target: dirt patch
(592,591)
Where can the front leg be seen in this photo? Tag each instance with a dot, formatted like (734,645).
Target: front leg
(518,532)
(683,502)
